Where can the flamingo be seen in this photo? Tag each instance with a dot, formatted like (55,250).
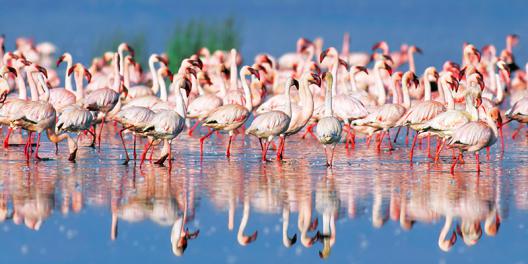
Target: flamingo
(387,116)
(229,117)
(37,116)
(133,119)
(105,100)
(168,124)
(143,90)
(476,135)
(62,97)
(328,128)
(271,124)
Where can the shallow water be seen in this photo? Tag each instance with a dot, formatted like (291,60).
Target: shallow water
(56,211)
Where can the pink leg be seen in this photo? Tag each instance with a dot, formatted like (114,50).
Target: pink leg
(368,140)
(407,136)
(124,145)
(501,138)
(378,146)
(202,139)
(390,141)
(411,154)
(144,154)
(228,152)
(37,148)
(429,146)
(454,165)
(478,160)
(438,150)
(6,140)
(282,141)
(170,156)
(101,132)
(332,156)
(265,150)
(194,127)
(397,133)
(135,154)
(516,132)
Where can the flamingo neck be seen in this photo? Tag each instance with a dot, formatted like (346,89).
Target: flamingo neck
(353,82)
(44,87)
(395,94)
(382,96)
(471,109)
(500,90)
(288,102)
(445,230)
(412,66)
(121,60)
(79,93)
(163,87)
(180,103)
(233,72)
(245,217)
(335,69)
(247,92)
(448,96)
(328,98)
(117,75)
(22,90)
(492,125)
(427,87)
(32,86)
(155,81)
(346,45)
(306,98)
(126,74)
(68,77)
(406,97)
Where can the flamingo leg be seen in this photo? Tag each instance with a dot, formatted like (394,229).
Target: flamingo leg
(368,140)
(454,165)
(144,154)
(100,133)
(397,133)
(478,160)
(202,139)
(194,127)
(390,141)
(124,145)
(517,130)
(378,146)
(501,138)
(228,152)
(332,155)
(281,148)
(261,146)
(407,136)
(488,153)
(411,154)
(38,146)
(6,140)
(265,151)
(26,148)
(438,150)
(135,154)
(309,130)
(170,155)
(152,149)
(429,146)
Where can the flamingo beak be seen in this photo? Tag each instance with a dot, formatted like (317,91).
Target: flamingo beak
(163,60)
(251,238)
(323,55)
(12,70)
(418,50)
(197,63)
(60,60)
(478,102)
(130,49)
(343,63)
(362,69)
(316,79)
(88,75)
(388,68)
(254,72)
(3,97)
(43,70)
(70,70)
(295,84)
(191,71)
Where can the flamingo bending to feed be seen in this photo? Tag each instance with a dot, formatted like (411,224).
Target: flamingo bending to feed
(229,117)
(268,125)
(476,135)
(133,119)
(328,128)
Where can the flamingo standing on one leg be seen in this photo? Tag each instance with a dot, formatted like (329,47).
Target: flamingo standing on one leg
(328,128)
(229,117)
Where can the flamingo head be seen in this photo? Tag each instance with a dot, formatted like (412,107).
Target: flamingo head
(381,45)
(471,50)
(79,68)
(489,50)
(470,232)
(66,56)
(513,39)
(246,240)
(358,69)
(409,78)
(380,64)
(196,63)
(125,46)
(413,49)
(504,71)
(262,59)
(7,70)
(247,70)
(446,245)
(314,78)
(162,60)
(328,52)
(33,67)
(492,225)
(302,44)
(327,76)
(431,75)
(496,116)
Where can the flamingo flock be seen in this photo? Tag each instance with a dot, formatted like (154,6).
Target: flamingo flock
(337,93)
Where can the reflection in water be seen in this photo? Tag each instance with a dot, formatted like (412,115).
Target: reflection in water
(308,199)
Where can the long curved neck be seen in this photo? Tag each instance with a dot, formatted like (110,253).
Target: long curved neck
(22,90)
(155,81)
(121,61)
(427,86)
(382,96)
(233,73)
(395,94)
(500,90)
(412,66)
(445,229)
(328,98)
(306,98)
(353,82)
(117,76)
(247,92)
(471,109)
(126,74)
(163,87)
(32,86)
(45,90)
(79,92)
(346,45)
(335,69)
(288,102)
(245,217)
(448,96)
(492,125)
(406,97)
(68,78)
(180,103)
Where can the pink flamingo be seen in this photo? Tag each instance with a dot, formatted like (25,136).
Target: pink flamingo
(229,117)
(328,128)
(271,124)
